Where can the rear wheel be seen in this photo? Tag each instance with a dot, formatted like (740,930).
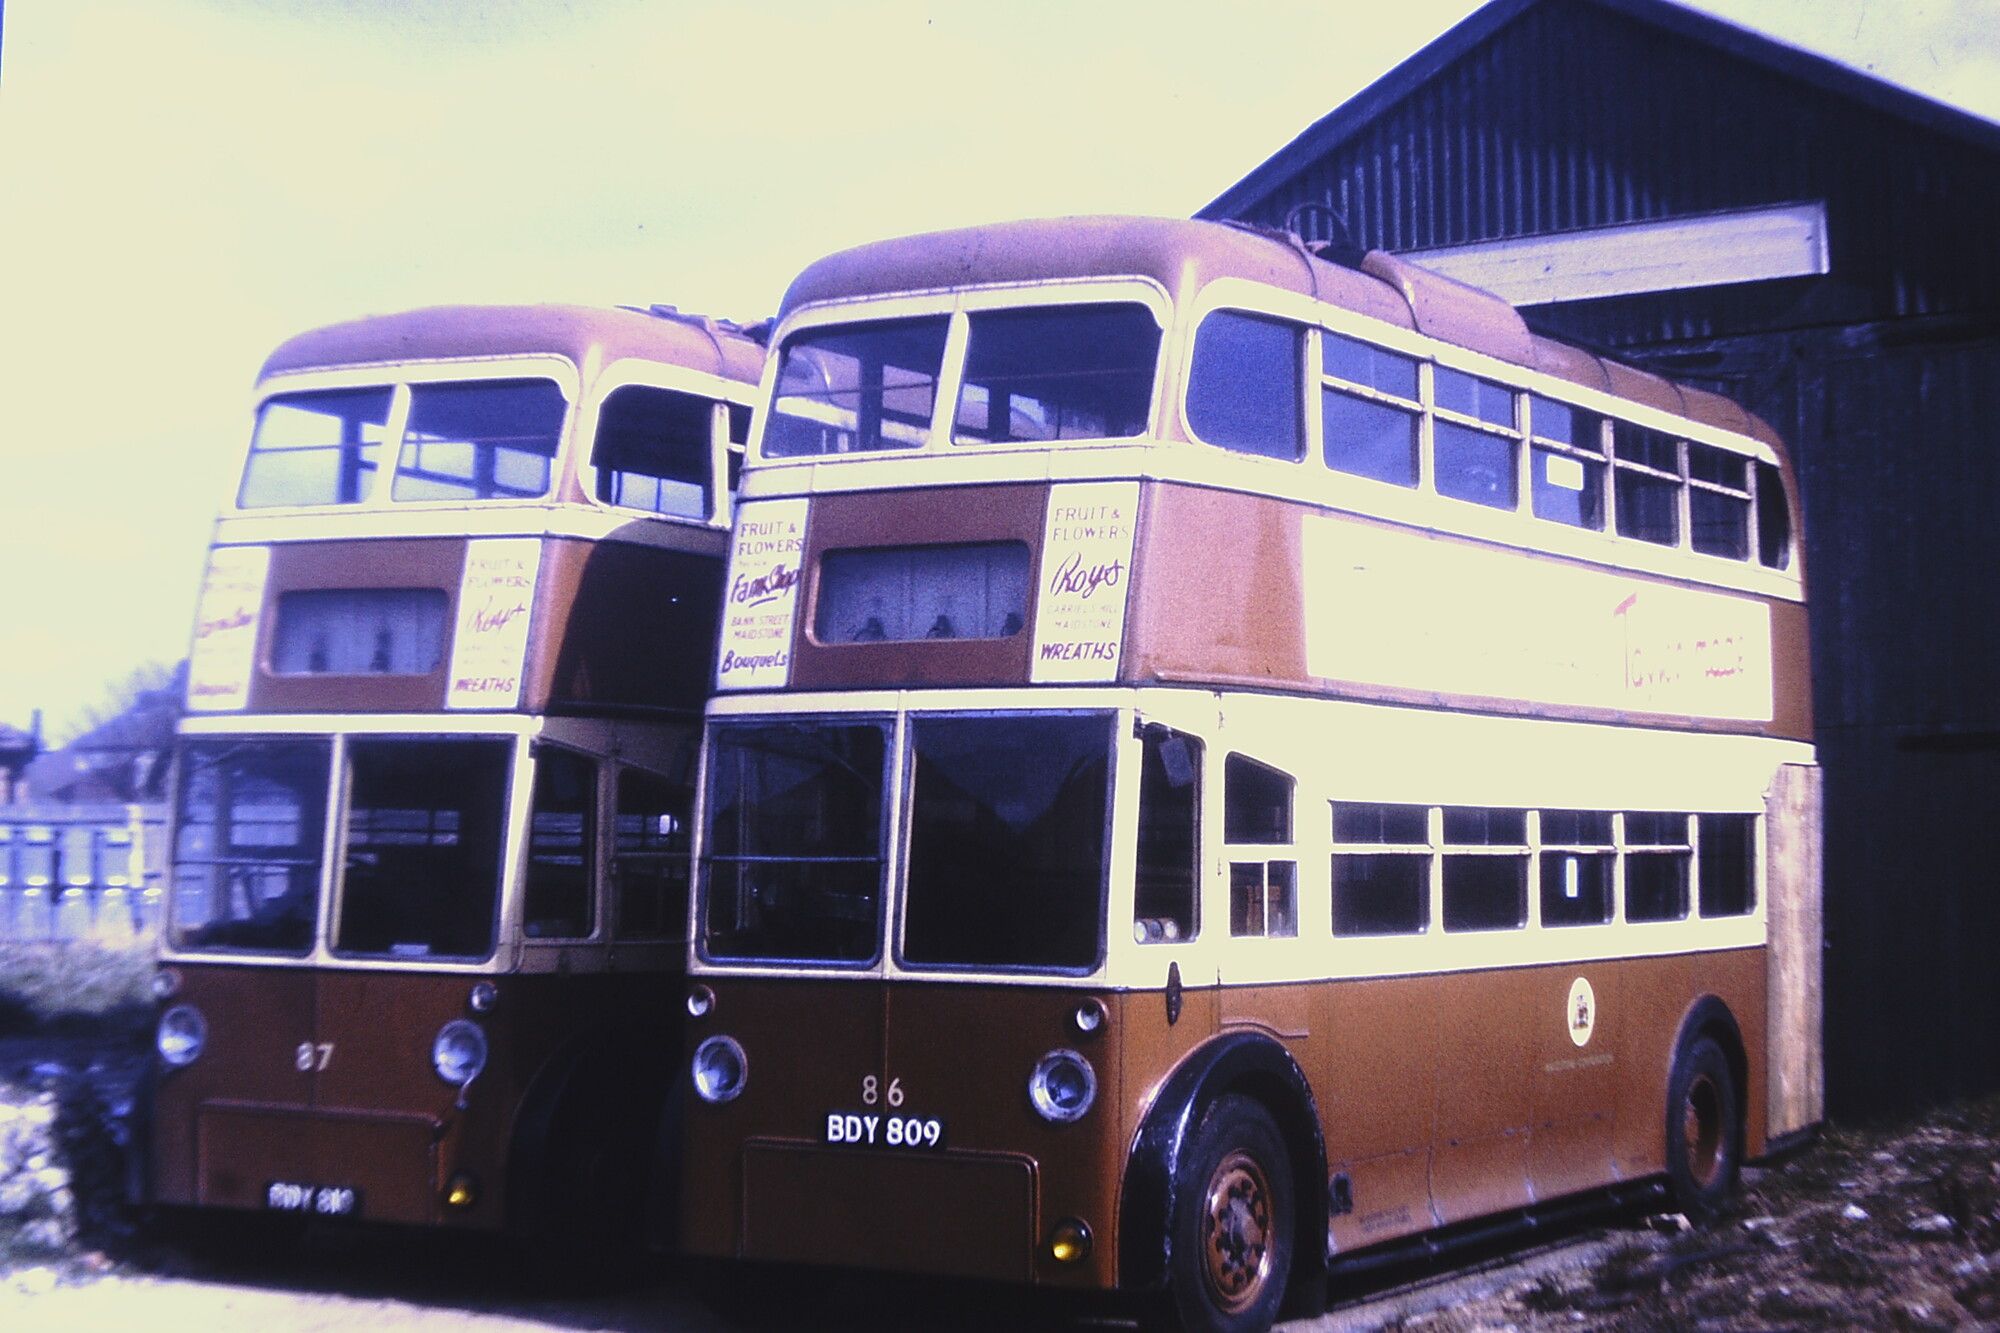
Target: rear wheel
(1232,1228)
(587,1235)
(1704,1128)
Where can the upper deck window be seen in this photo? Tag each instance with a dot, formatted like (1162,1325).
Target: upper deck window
(315,448)
(653,451)
(856,388)
(1567,473)
(1718,502)
(481,440)
(1646,484)
(1475,455)
(1774,519)
(1244,386)
(1081,372)
(1368,411)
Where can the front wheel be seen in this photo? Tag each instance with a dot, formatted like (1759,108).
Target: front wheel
(1232,1227)
(1704,1129)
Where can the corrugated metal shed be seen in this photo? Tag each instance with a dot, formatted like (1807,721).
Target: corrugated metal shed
(1539,117)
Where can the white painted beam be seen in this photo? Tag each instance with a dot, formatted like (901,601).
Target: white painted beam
(1705,250)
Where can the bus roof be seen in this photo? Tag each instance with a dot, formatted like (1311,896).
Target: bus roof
(1185,256)
(582,334)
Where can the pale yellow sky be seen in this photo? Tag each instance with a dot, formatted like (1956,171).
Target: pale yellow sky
(184,183)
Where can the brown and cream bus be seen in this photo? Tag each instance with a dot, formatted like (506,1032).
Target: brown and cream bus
(433,790)
(1228,765)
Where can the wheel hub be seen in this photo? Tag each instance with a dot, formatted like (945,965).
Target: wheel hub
(1701,1130)
(1236,1231)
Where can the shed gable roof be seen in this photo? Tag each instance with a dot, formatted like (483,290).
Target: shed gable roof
(1476,30)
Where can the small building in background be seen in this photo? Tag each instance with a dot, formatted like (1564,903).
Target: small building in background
(1735,213)
(17,749)
(83,828)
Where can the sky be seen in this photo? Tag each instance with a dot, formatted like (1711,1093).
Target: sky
(186,183)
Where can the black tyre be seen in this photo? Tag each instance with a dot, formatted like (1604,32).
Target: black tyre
(1232,1222)
(587,1236)
(1704,1128)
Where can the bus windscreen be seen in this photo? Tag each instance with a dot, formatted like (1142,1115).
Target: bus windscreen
(1007,839)
(793,869)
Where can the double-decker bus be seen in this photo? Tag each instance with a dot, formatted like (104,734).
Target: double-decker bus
(433,790)
(1228,765)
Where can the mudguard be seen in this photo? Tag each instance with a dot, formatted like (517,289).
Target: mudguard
(1242,1061)
(1710,1014)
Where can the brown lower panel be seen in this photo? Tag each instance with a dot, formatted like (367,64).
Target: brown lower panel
(1473,1177)
(953,1214)
(1568,1157)
(390,1160)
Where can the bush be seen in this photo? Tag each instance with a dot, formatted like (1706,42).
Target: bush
(75,985)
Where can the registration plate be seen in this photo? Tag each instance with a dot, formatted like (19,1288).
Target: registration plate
(872,1129)
(289,1196)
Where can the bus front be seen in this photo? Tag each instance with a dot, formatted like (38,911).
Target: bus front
(434,786)
(942,826)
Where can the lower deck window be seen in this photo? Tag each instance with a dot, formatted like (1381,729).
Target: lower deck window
(1167,877)
(793,870)
(247,845)
(1389,859)
(558,897)
(1657,855)
(1381,894)
(649,856)
(1728,864)
(424,829)
(1007,841)
(1485,868)
(1263,898)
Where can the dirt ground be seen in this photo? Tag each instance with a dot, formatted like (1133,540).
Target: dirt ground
(1894,1227)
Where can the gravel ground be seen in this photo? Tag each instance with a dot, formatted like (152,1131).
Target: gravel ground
(1894,1227)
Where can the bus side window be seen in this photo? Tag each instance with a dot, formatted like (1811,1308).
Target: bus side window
(1385,889)
(558,901)
(1657,853)
(1774,519)
(653,451)
(1726,864)
(1167,878)
(1578,865)
(1245,387)
(649,856)
(1485,869)
(1257,810)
